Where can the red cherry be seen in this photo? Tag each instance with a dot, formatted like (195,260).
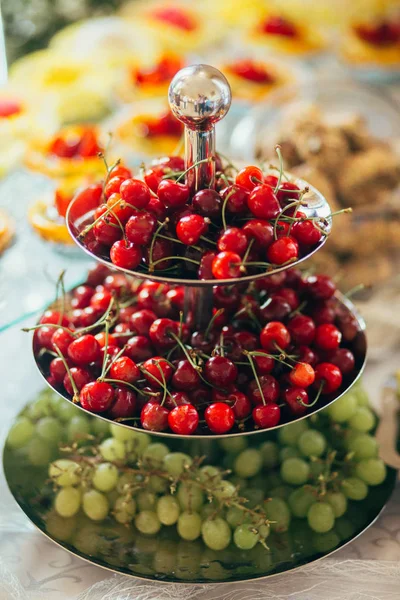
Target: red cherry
(302,330)
(249,177)
(113,185)
(344,360)
(55,318)
(236,199)
(282,229)
(97,273)
(226,265)
(106,230)
(135,192)
(220,417)
(176,399)
(80,376)
(207,203)
(277,309)
(126,255)
(329,375)
(101,300)
(264,364)
(240,403)
(302,375)
(57,370)
(141,321)
(220,371)
(101,338)
(124,369)
(274,337)
(290,296)
(173,194)
(125,314)
(321,286)
(154,417)
(327,337)
(89,316)
(185,377)
(190,228)
(120,171)
(161,249)
(160,333)
(282,251)
(270,389)
(305,354)
(154,369)
(233,239)
(260,231)
(140,228)
(84,350)
(120,209)
(124,404)
(205,267)
(62,339)
(157,209)
(96,396)
(263,203)
(295,397)
(138,348)
(122,332)
(177,297)
(183,419)
(266,416)
(306,233)
(287,192)
(81,296)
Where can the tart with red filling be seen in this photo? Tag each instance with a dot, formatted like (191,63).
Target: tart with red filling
(374,43)
(284,35)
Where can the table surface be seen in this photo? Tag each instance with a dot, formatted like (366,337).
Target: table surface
(34,568)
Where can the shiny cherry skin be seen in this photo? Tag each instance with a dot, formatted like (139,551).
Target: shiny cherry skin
(139,348)
(157,371)
(263,203)
(289,295)
(135,192)
(329,376)
(302,375)
(240,404)
(80,376)
(295,398)
(185,377)
(207,203)
(270,390)
(277,309)
(283,250)
(205,267)
(106,230)
(154,417)
(57,370)
(274,336)
(162,249)
(236,199)
(266,415)
(176,399)
(141,321)
(219,417)
(113,186)
(261,231)
(120,209)
(302,330)
(249,177)
(233,239)
(321,286)
(220,371)
(306,233)
(124,404)
(81,296)
(97,396)
(126,255)
(190,228)
(173,194)
(61,339)
(343,359)
(54,317)
(101,300)
(327,337)
(140,228)
(160,333)
(183,419)
(263,364)
(124,369)
(84,350)
(226,265)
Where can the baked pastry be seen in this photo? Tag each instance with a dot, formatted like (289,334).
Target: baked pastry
(373,43)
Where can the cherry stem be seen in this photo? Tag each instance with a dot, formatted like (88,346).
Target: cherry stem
(206,239)
(215,316)
(273,356)
(253,368)
(175,240)
(161,225)
(321,387)
(184,350)
(108,169)
(105,348)
(194,165)
(89,227)
(75,398)
(130,385)
(221,344)
(60,284)
(246,254)
(295,203)
(279,153)
(116,357)
(357,288)
(224,208)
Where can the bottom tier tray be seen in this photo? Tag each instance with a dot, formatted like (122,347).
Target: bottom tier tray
(165,557)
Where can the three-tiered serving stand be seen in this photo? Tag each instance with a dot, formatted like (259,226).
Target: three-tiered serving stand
(199,97)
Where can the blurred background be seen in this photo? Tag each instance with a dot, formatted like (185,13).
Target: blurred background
(322,79)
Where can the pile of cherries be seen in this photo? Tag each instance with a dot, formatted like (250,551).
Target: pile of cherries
(269,352)
(251,223)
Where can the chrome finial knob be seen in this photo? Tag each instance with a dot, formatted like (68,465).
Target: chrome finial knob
(199,96)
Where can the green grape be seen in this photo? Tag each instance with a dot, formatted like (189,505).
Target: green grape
(126,483)
(100,427)
(209,474)
(321,517)
(49,429)
(190,496)
(372,471)
(288,452)
(112,449)
(325,542)
(112,496)
(66,411)
(154,454)
(312,443)
(295,471)
(189,525)
(105,477)
(281,491)
(343,409)
(123,434)
(363,446)
(270,454)
(147,522)
(40,408)
(78,428)
(235,516)
(61,528)
(300,501)
(65,472)
(277,511)
(233,444)
(224,490)
(67,502)
(248,463)
(146,500)
(289,435)
(317,468)
(361,395)
(55,402)
(138,444)
(95,505)
(124,509)
(254,497)
(264,530)
(354,488)
(20,433)
(246,537)
(168,510)
(216,533)
(363,419)
(338,501)
(39,452)
(176,463)
(158,484)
